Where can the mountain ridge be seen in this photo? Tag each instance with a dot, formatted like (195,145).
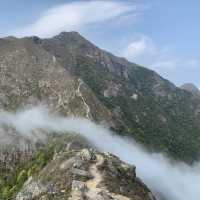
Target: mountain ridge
(73,77)
(134,100)
(137,97)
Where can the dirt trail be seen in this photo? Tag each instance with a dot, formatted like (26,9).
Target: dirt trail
(92,184)
(81,96)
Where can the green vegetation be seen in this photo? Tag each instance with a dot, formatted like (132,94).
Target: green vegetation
(163,119)
(21,174)
(12,182)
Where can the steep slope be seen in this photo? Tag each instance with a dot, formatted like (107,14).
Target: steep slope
(29,76)
(75,78)
(68,168)
(143,104)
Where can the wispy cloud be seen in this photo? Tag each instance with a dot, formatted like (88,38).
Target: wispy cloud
(75,16)
(144,51)
(142,46)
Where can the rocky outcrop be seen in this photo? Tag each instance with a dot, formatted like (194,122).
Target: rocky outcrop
(191,88)
(85,174)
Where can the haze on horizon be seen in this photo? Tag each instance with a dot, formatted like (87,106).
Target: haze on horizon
(161,35)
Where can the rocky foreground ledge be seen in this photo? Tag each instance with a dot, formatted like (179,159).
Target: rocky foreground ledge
(85,175)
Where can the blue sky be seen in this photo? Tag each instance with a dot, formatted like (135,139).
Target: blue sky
(158,34)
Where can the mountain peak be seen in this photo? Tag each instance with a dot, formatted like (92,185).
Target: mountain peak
(190,87)
(70,35)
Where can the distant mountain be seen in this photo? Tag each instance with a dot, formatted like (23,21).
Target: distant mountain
(191,88)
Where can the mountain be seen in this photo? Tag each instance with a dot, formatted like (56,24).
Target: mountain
(143,104)
(73,77)
(29,76)
(191,88)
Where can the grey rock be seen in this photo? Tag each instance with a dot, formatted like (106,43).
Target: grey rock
(32,191)
(78,186)
(87,155)
(80,172)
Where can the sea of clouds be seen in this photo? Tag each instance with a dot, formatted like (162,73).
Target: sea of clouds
(172,181)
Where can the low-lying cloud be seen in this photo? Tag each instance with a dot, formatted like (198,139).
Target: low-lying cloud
(173,181)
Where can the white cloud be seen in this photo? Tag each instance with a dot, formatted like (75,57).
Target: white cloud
(139,47)
(75,16)
(172,180)
(145,52)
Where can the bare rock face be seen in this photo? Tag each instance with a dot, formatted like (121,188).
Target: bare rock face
(112,90)
(110,179)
